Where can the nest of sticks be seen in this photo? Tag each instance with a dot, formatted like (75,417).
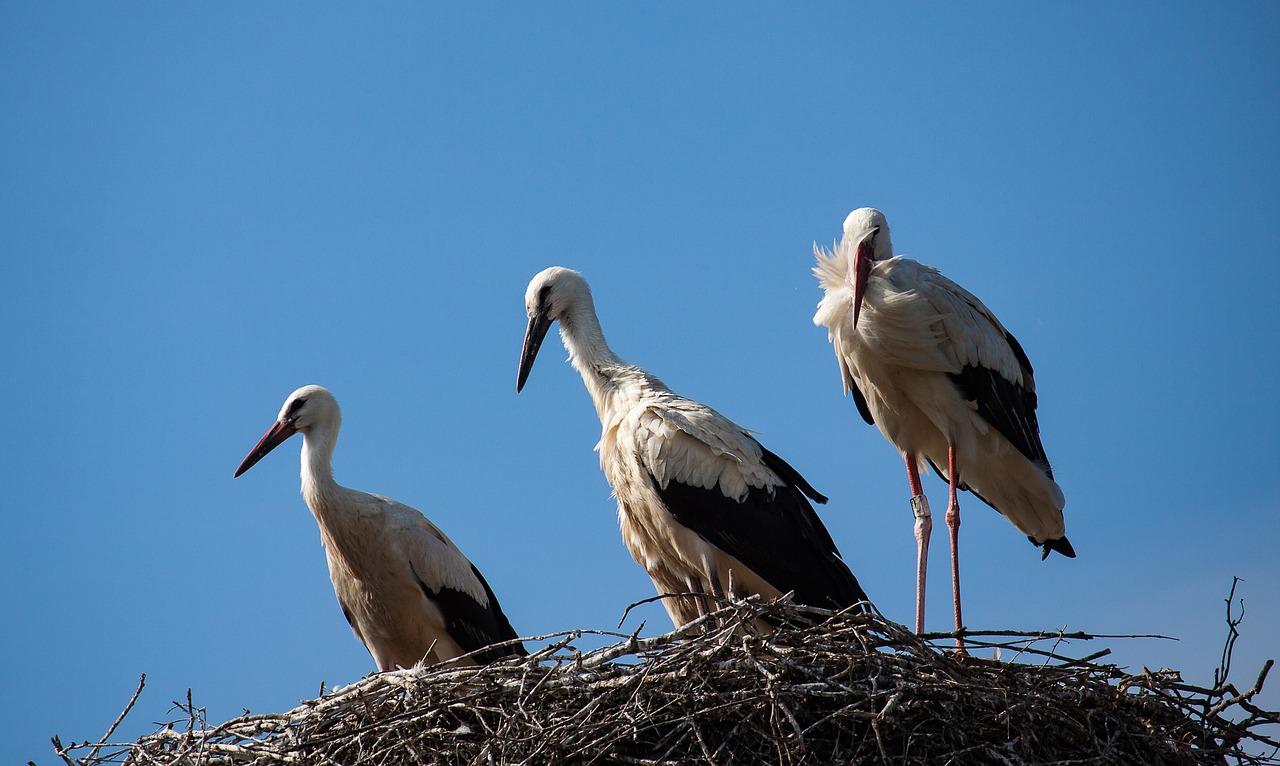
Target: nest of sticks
(820,689)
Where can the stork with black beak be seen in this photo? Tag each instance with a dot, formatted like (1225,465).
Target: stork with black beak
(409,594)
(703,507)
(945,383)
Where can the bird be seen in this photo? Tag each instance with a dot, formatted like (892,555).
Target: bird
(945,382)
(409,594)
(703,507)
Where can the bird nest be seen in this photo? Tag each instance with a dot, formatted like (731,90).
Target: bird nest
(820,689)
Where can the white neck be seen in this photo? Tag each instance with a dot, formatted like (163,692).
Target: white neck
(589,354)
(318,487)
(348,522)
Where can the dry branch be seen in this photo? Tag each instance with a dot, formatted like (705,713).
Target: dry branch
(852,688)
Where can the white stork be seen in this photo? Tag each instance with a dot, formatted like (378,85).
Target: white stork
(703,507)
(944,381)
(409,594)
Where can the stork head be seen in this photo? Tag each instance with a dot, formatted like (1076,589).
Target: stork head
(552,295)
(866,239)
(307,408)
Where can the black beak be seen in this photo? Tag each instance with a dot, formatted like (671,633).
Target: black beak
(539,323)
(274,438)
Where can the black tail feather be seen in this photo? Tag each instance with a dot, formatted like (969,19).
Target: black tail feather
(1061,545)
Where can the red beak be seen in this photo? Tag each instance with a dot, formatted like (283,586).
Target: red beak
(861,271)
(274,438)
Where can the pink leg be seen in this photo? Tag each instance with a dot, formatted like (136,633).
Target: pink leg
(700,597)
(953,525)
(924,524)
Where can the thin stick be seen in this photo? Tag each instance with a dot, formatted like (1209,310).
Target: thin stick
(142,681)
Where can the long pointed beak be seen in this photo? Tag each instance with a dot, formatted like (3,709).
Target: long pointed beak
(861,271)
(539,323)
(274,438)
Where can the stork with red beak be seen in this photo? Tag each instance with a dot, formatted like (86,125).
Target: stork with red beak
(410,595)
(946,384)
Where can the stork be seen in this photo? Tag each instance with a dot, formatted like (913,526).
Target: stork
(946,384)
(409,594)
(703,507)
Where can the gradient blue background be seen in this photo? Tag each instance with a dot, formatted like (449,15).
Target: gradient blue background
(204,207)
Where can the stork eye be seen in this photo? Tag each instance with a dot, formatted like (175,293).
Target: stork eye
(543,296)
(293,408)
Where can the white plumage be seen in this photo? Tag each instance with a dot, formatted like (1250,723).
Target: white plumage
(944,381)
(405,588)
(703,507)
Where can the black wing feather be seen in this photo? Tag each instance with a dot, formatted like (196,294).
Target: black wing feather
(470,623)
(791,476)
(774,532)
(504,630)
(861,401)
(1008,406)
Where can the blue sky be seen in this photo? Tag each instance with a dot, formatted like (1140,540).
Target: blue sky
(204,207)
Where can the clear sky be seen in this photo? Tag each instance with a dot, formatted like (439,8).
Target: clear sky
(206,206)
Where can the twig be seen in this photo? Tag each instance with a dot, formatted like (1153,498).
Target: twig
(142,681)
(1224,666)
